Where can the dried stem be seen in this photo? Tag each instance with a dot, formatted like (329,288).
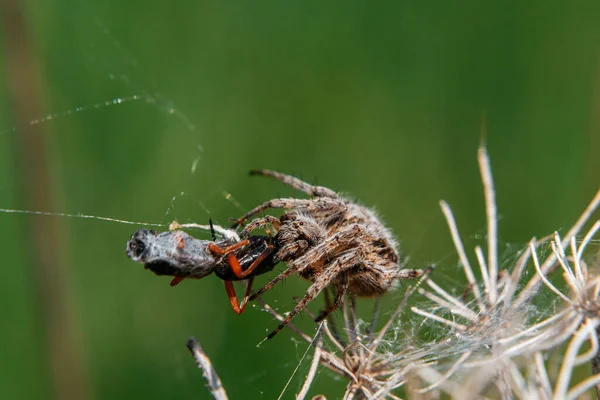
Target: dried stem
(533,284)
(492,220)
(596,366)
(212,379)
(461,252)
(313,369)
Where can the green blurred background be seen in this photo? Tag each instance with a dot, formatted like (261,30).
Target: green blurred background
(381,100)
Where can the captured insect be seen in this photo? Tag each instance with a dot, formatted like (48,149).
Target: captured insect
(331,241)
(176,253)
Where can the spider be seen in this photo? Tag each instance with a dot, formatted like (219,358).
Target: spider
(330,241)
(177,254)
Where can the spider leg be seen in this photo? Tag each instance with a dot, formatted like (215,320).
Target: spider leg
(412,273)
(263,222)
(291,203)
(230,289)
(320,283)
(287,203)
(288,271)
(342,289)
(290,250)
(333,326)
(311,190)
(342,239)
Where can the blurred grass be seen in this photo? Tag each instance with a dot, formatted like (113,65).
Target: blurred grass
(383,101)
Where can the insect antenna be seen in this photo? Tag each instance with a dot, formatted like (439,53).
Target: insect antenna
(212,230)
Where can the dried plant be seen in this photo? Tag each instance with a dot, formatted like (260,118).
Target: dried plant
(504,331)
(212,379)
(497,339)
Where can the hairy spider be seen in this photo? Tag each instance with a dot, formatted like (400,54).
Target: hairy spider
(329,240)
(175,253)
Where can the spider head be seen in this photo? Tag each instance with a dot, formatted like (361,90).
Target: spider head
(307,228)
